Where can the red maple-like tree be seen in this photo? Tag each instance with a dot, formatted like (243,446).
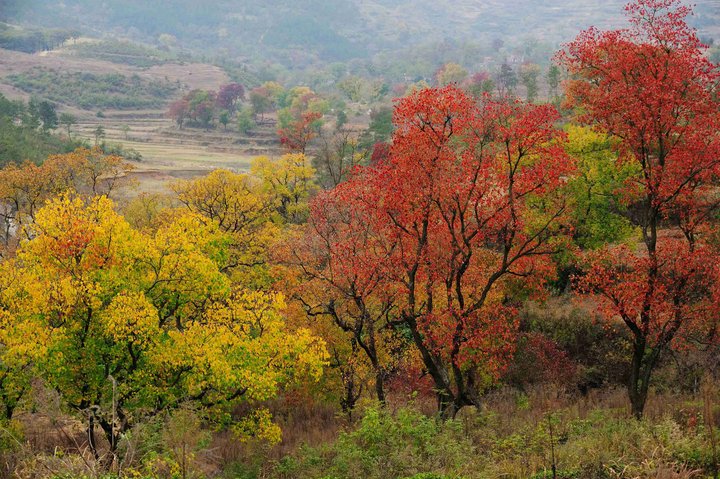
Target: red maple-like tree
(650,86)
(463,213)
(300,132)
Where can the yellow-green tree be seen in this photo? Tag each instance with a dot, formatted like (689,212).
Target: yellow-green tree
(290,182)
(242,208)
(96,302)
(598,215)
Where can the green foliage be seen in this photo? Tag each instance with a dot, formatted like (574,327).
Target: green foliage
(407,444)
(599,217)
(45,113)
(246,120)
(20,143)
(20,138)
(380,129)
(31,40)
(91,91)
(124,52)
(385,445)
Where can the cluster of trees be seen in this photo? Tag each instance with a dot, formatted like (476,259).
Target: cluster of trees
(299,111)
(25,130)
(504,82)
(94,91)
(130,316)
(31,40)
(479,202)
(202,108)
(403,269)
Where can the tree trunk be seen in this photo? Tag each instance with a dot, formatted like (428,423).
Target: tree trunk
(379,385)
(91,436)
(447,407)
(643,364)
(637,391)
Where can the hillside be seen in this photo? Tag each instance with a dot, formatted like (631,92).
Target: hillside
(297,31)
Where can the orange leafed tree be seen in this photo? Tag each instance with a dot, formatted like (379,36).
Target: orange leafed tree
(300,132)
(651,87)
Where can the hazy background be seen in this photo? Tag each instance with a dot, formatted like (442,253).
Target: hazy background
(298,32)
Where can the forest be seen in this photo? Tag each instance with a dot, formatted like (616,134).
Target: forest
(449,258)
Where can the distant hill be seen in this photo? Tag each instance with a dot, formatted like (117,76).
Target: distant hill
(336,30)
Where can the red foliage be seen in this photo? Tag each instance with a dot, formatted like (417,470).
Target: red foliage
(479,77)
(296,136)
(651,86)
(453,223)
(178,111)
(380,153)
(540,360)
(229,95)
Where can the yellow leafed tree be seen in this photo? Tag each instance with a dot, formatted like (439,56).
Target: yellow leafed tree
(90,301)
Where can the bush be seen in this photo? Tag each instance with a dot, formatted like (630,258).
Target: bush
(384,445)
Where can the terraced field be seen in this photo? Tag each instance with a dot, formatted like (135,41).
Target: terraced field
(167,152)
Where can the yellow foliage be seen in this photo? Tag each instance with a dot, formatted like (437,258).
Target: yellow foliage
(24,189)
(258,425)
(290,182)
(131,318)
(89,297)
(240,207)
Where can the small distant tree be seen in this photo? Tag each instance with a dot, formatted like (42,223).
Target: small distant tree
(479,84)
(99,134)
(48,115)
(261,101)
(202,105)
(352,87)
(44,112)
(529,77)
(125,129)
(67,120)
(450,73)
(337,156)
(224,118)
(381,125)
(296,136)
(179,111)
(553,81)
(341,119)
(506,80)
(245,120)
(229,96)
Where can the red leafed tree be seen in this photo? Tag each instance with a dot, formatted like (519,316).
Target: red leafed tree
(651,87)
(380,152)
(179,111)
(229,95)
(343,263)
(466,211)
(301,131)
